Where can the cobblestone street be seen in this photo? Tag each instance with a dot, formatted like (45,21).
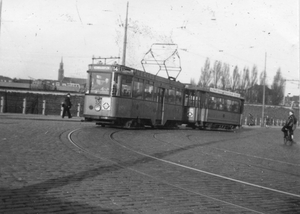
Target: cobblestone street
(109,170)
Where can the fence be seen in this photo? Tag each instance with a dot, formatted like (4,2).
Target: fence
(38,103)
(274,115)
(266,122)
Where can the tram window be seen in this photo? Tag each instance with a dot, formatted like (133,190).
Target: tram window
(238,106)
(160,95)
(100,83)
(88,84)
(170,98)
(192,98)
(149,90)
(229,105)
(126,86)
(235,106)
(178,97)
(116,85)
(186,98)
(137,92)
(212,103)
(157,94)
(220,103)
(197,99)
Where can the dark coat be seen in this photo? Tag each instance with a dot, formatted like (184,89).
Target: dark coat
(67,102)
(291,121)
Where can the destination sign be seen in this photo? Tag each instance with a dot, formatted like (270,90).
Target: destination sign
(229,93)
(102,67)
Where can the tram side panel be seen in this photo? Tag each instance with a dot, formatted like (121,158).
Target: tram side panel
(155,112)
(145,110)
(122,107)
(172,114)
(222,117)
(202,116)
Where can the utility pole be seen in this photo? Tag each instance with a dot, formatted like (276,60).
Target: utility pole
(0,14)
(299,92)
(264,91)
(125,37)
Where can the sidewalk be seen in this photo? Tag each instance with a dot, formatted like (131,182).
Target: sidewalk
(40,117)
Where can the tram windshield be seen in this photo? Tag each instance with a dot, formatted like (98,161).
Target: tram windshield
(100,83)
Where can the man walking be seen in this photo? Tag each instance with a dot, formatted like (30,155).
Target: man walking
(67,105)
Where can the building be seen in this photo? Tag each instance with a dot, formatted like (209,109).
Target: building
(8,83)
(61,72)
(69,83)
(66,84)
(5,79)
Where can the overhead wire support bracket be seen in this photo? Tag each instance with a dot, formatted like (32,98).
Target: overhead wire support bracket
(103,58)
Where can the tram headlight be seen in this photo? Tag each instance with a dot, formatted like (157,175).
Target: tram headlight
(97,108)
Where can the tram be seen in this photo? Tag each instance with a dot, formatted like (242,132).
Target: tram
(212,108)
(123,96)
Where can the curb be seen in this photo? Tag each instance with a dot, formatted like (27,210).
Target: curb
(39,117)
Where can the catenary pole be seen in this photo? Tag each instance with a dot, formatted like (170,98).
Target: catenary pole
(125,37)
(264,94)
(0,14)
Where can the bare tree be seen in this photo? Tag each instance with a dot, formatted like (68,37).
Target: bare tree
(206,74)
(254,74)
(225,77)
(262,78)
(277,88)
(262,82)
(235,79)
(245,79)
(252,83)
(217,73)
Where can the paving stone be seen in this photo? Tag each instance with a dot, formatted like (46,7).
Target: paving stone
(41,172)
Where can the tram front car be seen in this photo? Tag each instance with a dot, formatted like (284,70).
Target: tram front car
(99,103)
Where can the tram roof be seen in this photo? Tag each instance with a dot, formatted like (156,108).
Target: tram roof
(134,72)
(214,90)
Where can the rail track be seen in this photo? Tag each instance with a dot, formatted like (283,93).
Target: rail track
(199,165)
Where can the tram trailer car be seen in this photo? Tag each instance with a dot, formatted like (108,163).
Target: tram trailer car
(212,108)
(123,96)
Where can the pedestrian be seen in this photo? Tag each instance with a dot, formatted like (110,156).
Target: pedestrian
(251,120)
(67,106)
(290,125)
(267,121)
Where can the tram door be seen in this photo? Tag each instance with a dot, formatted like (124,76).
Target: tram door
(160,108)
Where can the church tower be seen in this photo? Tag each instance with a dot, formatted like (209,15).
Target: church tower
(61,72)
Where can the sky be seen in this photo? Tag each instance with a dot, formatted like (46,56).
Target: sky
(35,35)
